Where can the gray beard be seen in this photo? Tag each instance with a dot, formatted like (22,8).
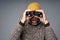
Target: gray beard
(35,24)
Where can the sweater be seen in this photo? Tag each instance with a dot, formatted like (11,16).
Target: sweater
(30,32)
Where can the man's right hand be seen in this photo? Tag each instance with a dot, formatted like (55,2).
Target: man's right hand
(25,18)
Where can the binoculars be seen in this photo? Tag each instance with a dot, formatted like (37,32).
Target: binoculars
(36,13)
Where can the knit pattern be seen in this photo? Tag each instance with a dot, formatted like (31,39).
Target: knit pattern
(29,32)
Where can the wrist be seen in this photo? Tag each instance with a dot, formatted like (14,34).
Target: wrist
(21,23)
(46,25)
(46,22)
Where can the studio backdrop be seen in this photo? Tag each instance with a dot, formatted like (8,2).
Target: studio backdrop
(11,13)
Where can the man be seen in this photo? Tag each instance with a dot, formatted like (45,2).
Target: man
(33,25)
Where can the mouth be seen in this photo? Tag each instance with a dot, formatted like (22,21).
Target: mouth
(34,21)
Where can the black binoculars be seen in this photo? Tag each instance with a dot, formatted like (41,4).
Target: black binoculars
(36,13)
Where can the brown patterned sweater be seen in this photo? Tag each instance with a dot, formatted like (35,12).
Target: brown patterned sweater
(29,32)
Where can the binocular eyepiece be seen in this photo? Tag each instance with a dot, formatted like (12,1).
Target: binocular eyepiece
(36,13)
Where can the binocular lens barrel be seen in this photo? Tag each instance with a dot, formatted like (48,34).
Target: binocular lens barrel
(31,13)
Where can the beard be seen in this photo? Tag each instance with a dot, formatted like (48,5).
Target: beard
(34,21)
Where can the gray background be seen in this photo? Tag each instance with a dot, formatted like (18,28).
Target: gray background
(11,13)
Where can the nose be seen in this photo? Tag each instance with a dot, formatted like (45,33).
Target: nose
(34,16)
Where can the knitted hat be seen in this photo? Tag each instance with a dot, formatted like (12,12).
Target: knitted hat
(34,6)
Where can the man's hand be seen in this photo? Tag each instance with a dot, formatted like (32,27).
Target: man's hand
(25,18)
(43,19)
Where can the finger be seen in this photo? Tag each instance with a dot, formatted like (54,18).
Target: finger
(42,13)
(26,11)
